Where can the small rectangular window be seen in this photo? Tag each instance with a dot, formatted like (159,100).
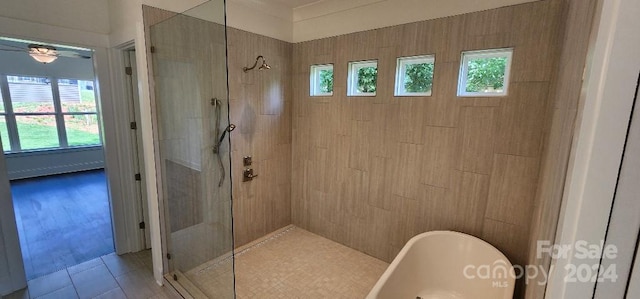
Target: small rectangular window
(362,79)
(321,81)
(414,75)
(485,73)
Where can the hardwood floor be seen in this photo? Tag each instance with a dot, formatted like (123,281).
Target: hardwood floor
(63,220)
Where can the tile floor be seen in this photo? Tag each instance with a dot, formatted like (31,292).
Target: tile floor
(111,276)
(293,264)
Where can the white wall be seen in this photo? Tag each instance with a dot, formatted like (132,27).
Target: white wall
(12,275)
(33,164)
(86,15)
(625,217)
(607,97)
(126,15)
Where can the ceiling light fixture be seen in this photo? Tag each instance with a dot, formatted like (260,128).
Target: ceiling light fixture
(44,54)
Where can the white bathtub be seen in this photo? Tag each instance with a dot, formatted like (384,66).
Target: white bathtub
(445,264)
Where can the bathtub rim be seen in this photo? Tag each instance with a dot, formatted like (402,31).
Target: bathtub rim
(375,291)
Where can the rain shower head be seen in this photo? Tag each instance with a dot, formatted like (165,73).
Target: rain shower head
(263,66)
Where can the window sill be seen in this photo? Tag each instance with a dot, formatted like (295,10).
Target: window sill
(413,95)
(53,151)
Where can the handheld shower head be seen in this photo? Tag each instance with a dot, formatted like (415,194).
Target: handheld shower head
(229,128)
(264,65)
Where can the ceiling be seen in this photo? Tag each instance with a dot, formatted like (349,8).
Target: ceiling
(297,3)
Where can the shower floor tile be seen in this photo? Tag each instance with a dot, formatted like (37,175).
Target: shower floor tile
(294,264)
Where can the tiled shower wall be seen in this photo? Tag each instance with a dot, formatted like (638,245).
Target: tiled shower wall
(260,106)
(559,129)
(371,172)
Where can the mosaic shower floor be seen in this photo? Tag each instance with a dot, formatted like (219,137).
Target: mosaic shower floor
(293,263)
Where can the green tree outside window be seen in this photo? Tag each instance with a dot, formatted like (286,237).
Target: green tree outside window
(326,81)
(486,74)
(367,79)
(419,77)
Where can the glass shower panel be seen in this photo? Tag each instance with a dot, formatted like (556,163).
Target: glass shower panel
(191,111)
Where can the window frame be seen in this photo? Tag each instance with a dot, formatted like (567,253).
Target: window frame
(401,68)
(11,121)
(352,78)
(466,56)
(314,79)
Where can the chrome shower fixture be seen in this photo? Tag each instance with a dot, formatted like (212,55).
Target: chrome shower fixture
(216,147)
(229,128)
(264,65)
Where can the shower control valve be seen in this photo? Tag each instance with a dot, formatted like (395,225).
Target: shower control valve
(247,175)
(247,161)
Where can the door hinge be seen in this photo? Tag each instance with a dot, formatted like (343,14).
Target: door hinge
(142,225)
(128,70)
(152,49)
(133,125)
(138,177)
(168,256)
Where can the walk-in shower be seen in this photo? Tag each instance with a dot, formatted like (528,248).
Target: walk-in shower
(191,121)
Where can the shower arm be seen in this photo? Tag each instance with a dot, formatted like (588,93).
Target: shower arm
(263,66)
(246,69)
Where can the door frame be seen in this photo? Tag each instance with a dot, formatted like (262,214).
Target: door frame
(127,211)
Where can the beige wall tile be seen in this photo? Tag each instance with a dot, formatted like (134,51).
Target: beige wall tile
(261,108)
(440,156)
(471,203)
(521,119)
(512,189)
(478,127)
(407,171)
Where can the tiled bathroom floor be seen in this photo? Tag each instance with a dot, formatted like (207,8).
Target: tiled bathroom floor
(294,264)
(110,276)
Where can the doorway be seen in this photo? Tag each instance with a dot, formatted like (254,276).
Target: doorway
(50,124)
(63,220)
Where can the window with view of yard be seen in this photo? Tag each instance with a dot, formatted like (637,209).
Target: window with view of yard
(363,78)
(47,113)
(485,73)
(414,75)
(321,80)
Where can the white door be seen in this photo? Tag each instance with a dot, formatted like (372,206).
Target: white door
(12,276)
